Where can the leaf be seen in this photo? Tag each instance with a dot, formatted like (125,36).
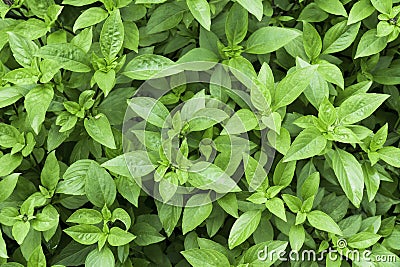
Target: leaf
(243,227)
(363,240)
(241,121)
(390,155)
(333,7)
(37,258)
(3,248)
(23,49)
(291,87)
(371,180)
(84,234)
(236,24)
(90,17)
(205,118)
(349,174)
(37,101)
(99,186)
(197,209)
(309,143)
(100,258)
(75,178)
(324,222)
(254,7)
(359,106)
(268,39)
(370,44)
(275,206)
(99,129)
(146,234)
(169,216)
(339,37)
(51,172)
(296,237)
(359,11)
(200,10)
(8,163)
(150,110)
(131,164)
(144,67)
(311,40)
(165,17)
(68,56)
(8,185)
(118,237)
(9,95)
(383,6)
(205,257)
(205,175)
(112,35)
(86,216)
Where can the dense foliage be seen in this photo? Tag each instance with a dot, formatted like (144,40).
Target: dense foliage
(292,144)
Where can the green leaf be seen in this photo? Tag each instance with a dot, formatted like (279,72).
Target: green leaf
(99,129)
(311,40)
(100,187)
(84,234)
(146,234)
(9,136)
(131,40)
(8,163)
(269,39)
(51,172)
(37,101)
(291,87)
(37,258)
(370,44)
(275,206)
(100,258)
(20,230)
(310,186)
(236,24)
(254,7)
(118,237)
(349,174)
(112,36)
(205,175)
(144,67)
(241,121)
(68,56)
(8,185)
(197,209)
(323,221)
(296,237)
(244,227)
(371,180)
(390,155)
(105,80)
(205,258)
(200,10)
(383,6)
(86,216)
(3,248)
(9,95)
(90,17)
(132,164)
(309,143)
(150,110)
(359,106)
(359,11)
(363,240)
(333,7)
(165,17)
(23,49)
(205,118)
(339,37)
(169,216)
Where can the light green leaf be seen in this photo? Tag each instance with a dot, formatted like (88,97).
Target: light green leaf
(244,227)
(118,237)
(200,10)
(90,17)
(359,106)
(370,44)
(339,37)
(197,209)
(144,67)
(112,35)
(100,258)
(332,6)
(363,240)
(383,6)
(291,87)
(84,234)
(309,143)
(254,7)
(236,24)
(390,155)
(323,221)
(85,216)
(359,11)
(51,172)
(268,39)
(205,258)
(349,174)
(37,101)
(99,129)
